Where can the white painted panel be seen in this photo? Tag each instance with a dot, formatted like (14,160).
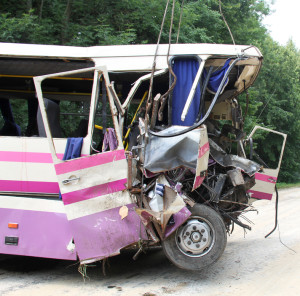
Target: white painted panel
(262,186)
(24,144)
(130,53)
(37,144)
(31,204)
(105,173)
(97,204)
(19,171)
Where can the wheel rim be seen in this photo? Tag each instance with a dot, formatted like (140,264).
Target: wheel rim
(196,237)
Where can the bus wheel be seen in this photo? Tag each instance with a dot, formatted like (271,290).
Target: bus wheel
(199,242)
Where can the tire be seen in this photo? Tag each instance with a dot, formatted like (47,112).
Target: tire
(199,242)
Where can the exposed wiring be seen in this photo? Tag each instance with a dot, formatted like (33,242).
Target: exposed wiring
(134,117)
(181,10)
(283,242)
(208,111)
(277,223)
(165,95)
(247,101)
(276,214)
(220,8)
(263,109)
(155,55)
(265,105)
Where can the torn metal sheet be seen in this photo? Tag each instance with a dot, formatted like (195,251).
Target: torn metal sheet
(174,205)
(218,188)
(93,200)
(179,218)
(236,177)
(107,231)
(229,160)
(164,154)
(202,160)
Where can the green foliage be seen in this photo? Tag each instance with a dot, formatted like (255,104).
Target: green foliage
(17,29)
(94,22)
(279,91)
(283,185)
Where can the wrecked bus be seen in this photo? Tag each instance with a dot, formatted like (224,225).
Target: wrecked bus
(109,147)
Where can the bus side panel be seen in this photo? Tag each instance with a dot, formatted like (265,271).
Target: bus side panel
(35,227)
(27,165)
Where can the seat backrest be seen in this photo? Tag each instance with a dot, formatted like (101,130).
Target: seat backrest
(10,128)
(53,113)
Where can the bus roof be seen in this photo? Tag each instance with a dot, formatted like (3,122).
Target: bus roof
(126,57)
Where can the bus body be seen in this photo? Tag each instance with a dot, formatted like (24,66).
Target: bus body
(101,151)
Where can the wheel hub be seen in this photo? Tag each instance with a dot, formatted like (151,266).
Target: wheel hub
(195,238)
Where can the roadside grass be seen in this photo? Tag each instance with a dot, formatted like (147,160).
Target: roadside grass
(287,185)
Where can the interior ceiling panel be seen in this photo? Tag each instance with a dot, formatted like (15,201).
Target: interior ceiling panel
(36,67)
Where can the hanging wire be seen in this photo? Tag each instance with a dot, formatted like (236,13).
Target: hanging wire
(168,55)
(154,60)
(277,222)
(171,27)
(220,8)
(257,118)
(266,105)
(181,10)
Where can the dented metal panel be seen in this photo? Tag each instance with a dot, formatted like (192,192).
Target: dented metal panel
(173,214)
(229,160)
(164,154)
(202,161)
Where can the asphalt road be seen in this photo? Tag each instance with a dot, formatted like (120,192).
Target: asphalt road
(250,265)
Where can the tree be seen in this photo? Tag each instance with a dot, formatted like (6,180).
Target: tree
(274,97)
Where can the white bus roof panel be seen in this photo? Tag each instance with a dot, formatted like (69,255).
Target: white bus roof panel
(124,57)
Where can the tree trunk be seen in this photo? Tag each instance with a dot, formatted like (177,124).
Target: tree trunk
(29,5)
(41,10)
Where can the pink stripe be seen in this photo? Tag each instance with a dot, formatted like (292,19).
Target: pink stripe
(203,149)
(29,186)
(265,178)
(36,157)
(198,182)
(95,191)
(260,195)
(88,162)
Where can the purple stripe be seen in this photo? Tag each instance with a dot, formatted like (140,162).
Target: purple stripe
(35,157)
(179,218)
(260,195)
(265,178)
(88,162)
(95,191)
(29,186)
